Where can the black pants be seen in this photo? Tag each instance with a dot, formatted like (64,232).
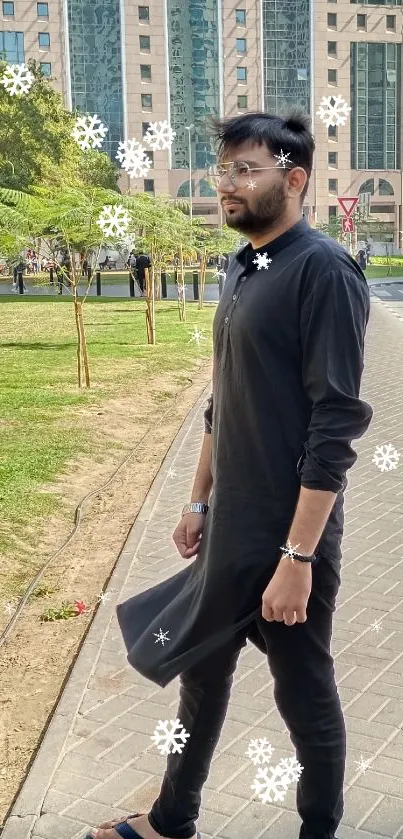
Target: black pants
(307,699)
(141,281)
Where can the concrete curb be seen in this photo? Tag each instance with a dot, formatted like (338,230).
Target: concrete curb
(27,807)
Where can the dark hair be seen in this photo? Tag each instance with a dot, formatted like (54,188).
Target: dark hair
(290,134)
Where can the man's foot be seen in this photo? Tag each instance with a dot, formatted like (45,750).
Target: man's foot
(140,824)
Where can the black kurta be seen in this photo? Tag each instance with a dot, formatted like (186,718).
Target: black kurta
(288,358)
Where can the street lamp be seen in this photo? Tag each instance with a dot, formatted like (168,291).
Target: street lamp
(189,128)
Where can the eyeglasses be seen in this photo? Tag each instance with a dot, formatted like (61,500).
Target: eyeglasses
(239,172)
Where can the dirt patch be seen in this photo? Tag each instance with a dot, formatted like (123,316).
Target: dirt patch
(37,656)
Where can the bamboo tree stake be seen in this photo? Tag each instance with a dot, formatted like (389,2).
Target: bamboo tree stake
(84,345)
(78,341)
(150,312)
(203,263)
(182,276)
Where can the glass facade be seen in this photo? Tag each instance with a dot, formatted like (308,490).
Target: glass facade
(286,54)
(12,47)
(376,105)
(193,78)
(96,64)
(378,2)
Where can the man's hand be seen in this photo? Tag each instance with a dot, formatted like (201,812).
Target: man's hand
(187,535)
(286,597)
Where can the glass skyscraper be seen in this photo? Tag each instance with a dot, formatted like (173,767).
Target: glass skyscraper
(286,54)
(376,105)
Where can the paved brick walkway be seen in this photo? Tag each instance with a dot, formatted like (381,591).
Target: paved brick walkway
(97,759)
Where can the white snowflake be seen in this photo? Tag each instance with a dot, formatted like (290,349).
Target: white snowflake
(386,457)
(197,336)
(89,132)
(262,261)
(333,110)
(17,79)
(292,769)
(282,159)
(251,184)
(171,473)
(103,597)
(181,291)
(113,220)
(270,784)
(376,626)
(160,135)
(170,736)
(9,608)
(363,764)
(289,550)
(133,158)
(260,751)
(161,636)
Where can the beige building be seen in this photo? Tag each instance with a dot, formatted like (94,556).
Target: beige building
(182,60)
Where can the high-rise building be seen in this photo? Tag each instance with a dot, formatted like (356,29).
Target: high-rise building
(184,60)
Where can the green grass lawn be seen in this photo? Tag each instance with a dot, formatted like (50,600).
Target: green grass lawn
(40,403)
(112,277)
(373,272)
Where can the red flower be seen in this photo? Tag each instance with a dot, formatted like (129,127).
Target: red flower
(81,608)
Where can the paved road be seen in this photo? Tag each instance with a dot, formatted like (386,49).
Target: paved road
(390,290)
(97,759)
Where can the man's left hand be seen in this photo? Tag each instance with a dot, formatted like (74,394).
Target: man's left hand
(286,597)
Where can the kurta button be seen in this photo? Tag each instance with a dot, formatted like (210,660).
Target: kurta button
(226,320)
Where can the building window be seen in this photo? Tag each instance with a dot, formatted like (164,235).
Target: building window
(240,17)
(332,48)
(42,9)
(241,44)
(380,209)
(332,211)
(391,23)
(333,186)
(241,74)
(44,40)
(332,76)
(145,43)
(362,22)
(331,20)
(46,68)
(332,158)
(150,155)
(8,9)
(146,101)
(367,186)
(242,103)
(149,185)
(332,132)
(375,99)
(385,188)
(144,14)
(145,72)
(144,128)
(302,74)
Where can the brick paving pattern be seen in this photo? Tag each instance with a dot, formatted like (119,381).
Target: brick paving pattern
(97,759)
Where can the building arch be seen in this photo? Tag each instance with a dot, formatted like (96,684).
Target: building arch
(206,189)
(367,186)
(183,191)
(385,188)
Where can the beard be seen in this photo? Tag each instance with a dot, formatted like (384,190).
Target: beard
(265,214)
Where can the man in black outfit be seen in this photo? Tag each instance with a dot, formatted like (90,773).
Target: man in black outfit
(143,261)
(265,518)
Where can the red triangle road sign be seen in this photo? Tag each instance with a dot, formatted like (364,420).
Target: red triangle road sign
(347,205)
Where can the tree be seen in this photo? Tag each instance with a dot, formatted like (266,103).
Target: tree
(36,142)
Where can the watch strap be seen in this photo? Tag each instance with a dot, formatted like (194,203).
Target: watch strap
(195,507)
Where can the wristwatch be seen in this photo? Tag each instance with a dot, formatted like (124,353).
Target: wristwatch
(195,507)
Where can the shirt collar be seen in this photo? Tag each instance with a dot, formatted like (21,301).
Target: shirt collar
(247,254)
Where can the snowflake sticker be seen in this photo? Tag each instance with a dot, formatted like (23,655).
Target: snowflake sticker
(171,473)
(386,457)
(282,159)
(103,597)
(133,159)
(197,336)
(262,261)
(160,135)
(362,765)
(270,784)
(181,291)
(9,608)
(170,737)
(161,637)
(260,751)
(89,132)
(251,184)
(291,768)
(333,110)
(113,220)
(376,626)
(17,79)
